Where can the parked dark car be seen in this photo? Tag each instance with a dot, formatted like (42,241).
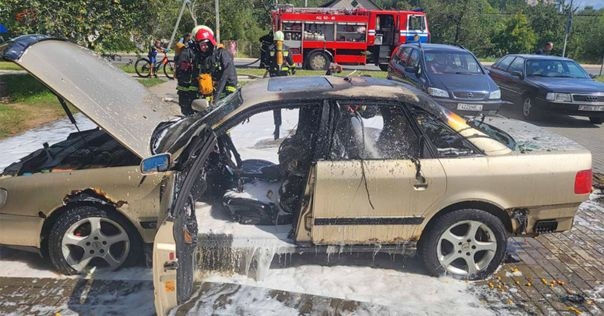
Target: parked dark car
(450,74)
(549,84)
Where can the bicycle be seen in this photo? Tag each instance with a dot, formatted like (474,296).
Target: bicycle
(143,66)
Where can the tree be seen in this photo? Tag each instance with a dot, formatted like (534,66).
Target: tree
(88,23)
(516,37)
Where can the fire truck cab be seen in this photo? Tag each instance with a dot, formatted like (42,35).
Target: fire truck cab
(317,36)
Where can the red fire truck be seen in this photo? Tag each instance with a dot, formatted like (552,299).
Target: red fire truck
(318,36)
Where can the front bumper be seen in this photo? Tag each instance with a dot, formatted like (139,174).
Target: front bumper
(470,107)
(574,108)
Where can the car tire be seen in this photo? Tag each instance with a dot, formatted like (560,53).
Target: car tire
(529,111)
(447,248)
(383,67)
(86,235)
(318,60)
(596,120)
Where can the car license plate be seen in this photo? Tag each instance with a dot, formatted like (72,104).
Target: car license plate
(469,107)
(591,107)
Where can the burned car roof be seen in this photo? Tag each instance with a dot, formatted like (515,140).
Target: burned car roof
(107,95)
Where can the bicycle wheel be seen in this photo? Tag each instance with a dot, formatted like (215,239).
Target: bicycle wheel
(169,69)
(143,67)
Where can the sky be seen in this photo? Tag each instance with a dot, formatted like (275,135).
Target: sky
(596,4)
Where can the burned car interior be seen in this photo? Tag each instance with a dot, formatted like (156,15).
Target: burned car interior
(258,191)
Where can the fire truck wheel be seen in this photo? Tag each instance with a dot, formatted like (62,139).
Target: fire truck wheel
(318,60)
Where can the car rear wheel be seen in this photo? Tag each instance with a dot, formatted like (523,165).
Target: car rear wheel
(465,244)
(318,61)
(529,111)
(86,236)
(596,120)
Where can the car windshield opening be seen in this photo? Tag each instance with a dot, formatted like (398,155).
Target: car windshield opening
(554,68)
(451,63)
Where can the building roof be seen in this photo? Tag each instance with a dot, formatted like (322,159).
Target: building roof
(352,4)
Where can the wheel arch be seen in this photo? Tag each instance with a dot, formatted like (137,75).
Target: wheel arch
(86,197)
(481,205)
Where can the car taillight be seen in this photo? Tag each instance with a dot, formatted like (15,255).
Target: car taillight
(583,182)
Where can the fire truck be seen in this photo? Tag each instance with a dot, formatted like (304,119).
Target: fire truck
(318,36)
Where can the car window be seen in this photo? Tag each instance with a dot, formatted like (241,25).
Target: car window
(414,58)
(503,63)
(517,65)
(448,142)
(439,62)
(554,68)
(374,131)
(404,56)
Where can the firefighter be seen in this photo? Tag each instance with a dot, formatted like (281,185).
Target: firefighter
(217,74)
(280,62)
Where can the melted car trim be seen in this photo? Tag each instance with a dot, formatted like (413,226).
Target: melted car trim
(370,221)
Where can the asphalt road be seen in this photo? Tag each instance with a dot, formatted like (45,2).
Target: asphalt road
(239,62)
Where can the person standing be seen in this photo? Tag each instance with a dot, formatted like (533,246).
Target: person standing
(186,73)
(153,50)
(280,60)
(184,42)
(280,64)
(546,49)
(217,74)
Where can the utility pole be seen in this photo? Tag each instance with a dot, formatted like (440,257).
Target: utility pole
(182,9)
(568,26)
(217,32)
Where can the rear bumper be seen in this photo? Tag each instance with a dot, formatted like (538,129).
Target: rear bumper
(580,109)
(470,107)
(545,219)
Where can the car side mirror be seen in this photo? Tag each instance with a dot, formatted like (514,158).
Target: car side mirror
(593,76)
(518,74)
(200,105)
(156,163)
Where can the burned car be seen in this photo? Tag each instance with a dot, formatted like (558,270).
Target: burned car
(359,164)
(82,202)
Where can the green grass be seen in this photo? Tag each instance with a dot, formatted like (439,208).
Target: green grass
(600,78)
(10,120)
(7,65)
(24,88)
(150,82)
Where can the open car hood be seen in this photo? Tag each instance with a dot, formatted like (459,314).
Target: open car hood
(107,95)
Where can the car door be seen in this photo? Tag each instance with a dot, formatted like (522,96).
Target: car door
(413,71)
(515,82)
(175,243)
(375,185)
(398,64)
(501,76)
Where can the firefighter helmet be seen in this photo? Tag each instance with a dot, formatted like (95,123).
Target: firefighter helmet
(200,27)
(205,34)
(278,36)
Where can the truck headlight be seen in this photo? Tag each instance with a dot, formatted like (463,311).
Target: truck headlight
(435,92)
(3,196)
(495,94)
(558,97)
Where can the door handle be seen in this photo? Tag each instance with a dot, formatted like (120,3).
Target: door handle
(420,186)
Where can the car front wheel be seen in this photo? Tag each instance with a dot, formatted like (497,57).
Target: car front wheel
(86,236)
(596,120)
(529,111)
(465,244)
